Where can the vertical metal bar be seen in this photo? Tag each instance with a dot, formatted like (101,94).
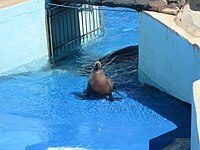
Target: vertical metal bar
(102,19)
(79,24)
(90,23)
(51,42)
(82,21)
(62,29)
(69,26)
(97,18)
(77,32)
(74,18)
(72,23)
(66,30)
(59,34)
(75,22)
(71,32)
(48,32)
(55,31)
(86,20)
(93,13)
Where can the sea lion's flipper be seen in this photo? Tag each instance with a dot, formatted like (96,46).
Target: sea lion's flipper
(111,83)
(81,95)
(110,97)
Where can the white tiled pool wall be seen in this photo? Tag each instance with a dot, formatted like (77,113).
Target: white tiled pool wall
(22,34)
(169,59)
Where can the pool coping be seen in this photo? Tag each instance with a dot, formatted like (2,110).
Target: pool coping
(9,3)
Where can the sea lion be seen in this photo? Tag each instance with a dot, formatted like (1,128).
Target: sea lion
(124,54)
(98,83)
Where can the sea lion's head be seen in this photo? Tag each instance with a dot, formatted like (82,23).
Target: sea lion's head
(97,65)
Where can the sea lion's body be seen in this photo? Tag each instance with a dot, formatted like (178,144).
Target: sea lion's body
(98,83)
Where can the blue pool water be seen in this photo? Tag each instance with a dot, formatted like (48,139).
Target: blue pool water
(40,110)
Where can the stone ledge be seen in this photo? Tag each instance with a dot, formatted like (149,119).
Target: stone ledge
(164,6)
(8,3)
(188,19)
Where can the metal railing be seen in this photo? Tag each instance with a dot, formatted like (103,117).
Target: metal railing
(68,24)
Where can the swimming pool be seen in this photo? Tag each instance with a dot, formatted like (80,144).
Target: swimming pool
(40,109)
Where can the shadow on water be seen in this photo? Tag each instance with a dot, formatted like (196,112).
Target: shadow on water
(169,107)
(122,65)
(83,96)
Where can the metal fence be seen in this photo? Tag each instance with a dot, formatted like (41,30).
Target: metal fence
(68,24)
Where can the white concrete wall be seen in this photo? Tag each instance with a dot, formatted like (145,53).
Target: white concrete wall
(169,58)
(195,127)
(22,34)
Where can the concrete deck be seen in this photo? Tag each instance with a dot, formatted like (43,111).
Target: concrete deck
(9,3)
